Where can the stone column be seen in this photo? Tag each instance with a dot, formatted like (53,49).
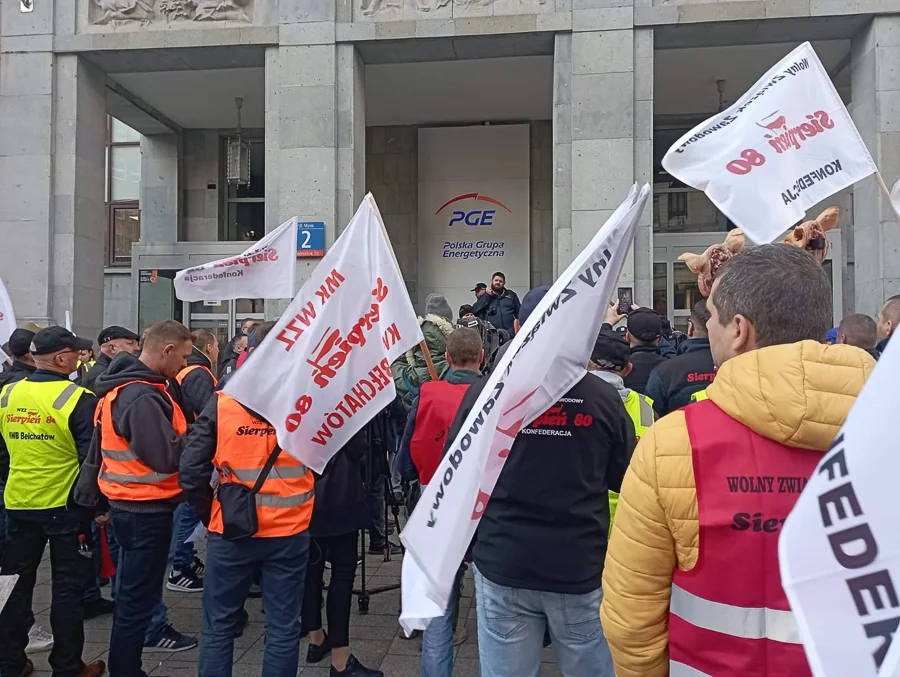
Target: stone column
(643,162)
(351,133)
(160,195)
(875,89)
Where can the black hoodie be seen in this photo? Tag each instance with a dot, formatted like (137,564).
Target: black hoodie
(142,414)
(89,380)
(198,386)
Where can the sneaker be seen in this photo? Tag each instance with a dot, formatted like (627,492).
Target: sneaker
(378,548)
(184,581)
(355,669)
(171,641)
(28,669)
(39,640)
(98,607)
(316,652)
(198,567)
(93,669)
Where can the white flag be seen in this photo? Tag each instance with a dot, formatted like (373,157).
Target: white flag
(784,146)
(324,370)
(7,315)
(840,547)
(267,270)
(546,358)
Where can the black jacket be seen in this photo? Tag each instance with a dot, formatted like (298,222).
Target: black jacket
(341,505)
(644,359)
(672,383)
(100,366)
(545,527)
(16,372)
(81,425)
(198,386)
(143,416)
(501,311)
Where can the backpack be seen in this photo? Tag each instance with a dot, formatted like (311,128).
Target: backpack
(490,338)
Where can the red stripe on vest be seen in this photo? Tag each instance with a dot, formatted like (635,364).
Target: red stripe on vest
(438,403)
(742,504)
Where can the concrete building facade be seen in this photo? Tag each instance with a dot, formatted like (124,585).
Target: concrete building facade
(333,94)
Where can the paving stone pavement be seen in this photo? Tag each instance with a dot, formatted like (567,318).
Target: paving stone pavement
(374,637)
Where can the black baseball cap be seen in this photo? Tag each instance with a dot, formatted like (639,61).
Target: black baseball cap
(116,332)
(20,342)
(479,287)
(53,339)
(612,349)
(645,324)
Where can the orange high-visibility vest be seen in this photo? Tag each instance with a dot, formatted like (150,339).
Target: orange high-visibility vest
(284,503)
(123,476)
(187,370)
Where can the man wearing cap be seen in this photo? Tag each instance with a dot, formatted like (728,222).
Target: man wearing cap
(541,544)
(643,335)
(479,290)
(611,361)
(46,425)
(112,341)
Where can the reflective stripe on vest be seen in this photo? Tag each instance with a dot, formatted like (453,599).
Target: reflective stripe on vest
(640,411)
(43,456)
(733,599)
(699,396)
(123,476)
(285,500)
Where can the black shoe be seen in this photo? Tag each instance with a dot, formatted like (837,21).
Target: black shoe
(98,607)
(355,669)
(242,623)
(315,652)
(378,548)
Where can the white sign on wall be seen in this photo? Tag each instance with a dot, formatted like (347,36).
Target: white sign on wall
(473,209)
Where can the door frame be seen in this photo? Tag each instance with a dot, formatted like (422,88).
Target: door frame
(667,247)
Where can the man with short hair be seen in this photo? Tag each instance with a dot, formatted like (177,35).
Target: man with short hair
(888,321)
(46,425)
(672,383)
(713,483)
(861,331)
(643,335)
(142,432)
(498,305)
(112,341)
(541,544)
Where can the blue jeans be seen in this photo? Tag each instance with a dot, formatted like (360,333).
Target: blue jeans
(511,624)
(437,640)
(159,621)
(181,554)
(229,568)
(144,551)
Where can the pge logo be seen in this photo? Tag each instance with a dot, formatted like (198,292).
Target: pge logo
(474,217)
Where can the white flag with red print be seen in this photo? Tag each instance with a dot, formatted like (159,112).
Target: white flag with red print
(547,357)
(324,371)
(784,146)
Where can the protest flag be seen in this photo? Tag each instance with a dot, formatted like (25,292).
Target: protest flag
(784,146)
(839,549)
(324,370)
(7,319)
(546,358)
(266,270)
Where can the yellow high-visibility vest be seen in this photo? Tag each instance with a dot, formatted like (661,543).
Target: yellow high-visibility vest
(43,458)
(640,409)
(699,396)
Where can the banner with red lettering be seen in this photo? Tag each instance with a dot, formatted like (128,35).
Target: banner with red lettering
(266,270)
(784,146)
(545,359)
(324,370)
(839,548)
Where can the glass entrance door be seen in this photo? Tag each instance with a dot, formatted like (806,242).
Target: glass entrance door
(675,289)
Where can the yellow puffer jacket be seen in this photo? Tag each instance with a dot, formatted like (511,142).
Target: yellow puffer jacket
(798,395)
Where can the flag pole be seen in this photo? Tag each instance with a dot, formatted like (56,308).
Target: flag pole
(887,194)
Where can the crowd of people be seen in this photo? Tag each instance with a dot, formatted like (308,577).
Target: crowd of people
(591,542)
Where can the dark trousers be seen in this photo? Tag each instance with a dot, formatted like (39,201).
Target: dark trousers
(25,544)
(342,551)
(144,551)
(230,567)
(376,508)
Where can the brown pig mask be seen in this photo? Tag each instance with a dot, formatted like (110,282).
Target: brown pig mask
(810,235)
(706,265)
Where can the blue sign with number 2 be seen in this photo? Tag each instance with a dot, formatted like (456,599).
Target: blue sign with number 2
(310,238)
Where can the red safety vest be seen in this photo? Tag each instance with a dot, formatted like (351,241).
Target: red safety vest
(729,615)
(438,403)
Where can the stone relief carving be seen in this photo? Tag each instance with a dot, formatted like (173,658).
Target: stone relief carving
(372,7)
(111,11)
